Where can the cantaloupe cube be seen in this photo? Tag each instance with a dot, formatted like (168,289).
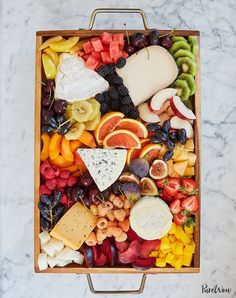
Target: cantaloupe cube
(188,230)
(169,258)
(187,260)
(154,253)
(184,155)
(179,262)
(180,167)
(190,171)
(172,238)
(178,249)
(192,157)
(160,262)
(189,249)
(173,229)
(190,145)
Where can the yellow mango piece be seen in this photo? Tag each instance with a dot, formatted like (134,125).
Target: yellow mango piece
(49,67)
(190,237)
(154,253)
(179,262)
(169,258)
(190,171)
(189,250)
(187,260)
(178,249)
(165,244)
(173,229)
(192,157)
(180,167)
(178,232)
(172,238)
(189,145)
(185,239)
(53,55)
(64,45)
(160,262)
(173,261)
(188,230)
(161,254)
(48,41)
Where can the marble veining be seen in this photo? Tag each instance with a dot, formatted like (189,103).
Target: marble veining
(217,22)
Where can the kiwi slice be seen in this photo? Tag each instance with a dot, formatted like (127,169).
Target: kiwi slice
(190,81)
(177,38)
(194,44)
(96,108)
(82,110)
(183,90)
(179,45)
(68,113)
(183,53)
(187,65)
(91,125)
(75,131)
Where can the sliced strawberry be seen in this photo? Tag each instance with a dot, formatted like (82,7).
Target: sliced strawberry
(132,235)
(175,207)
(173,186)
(188,186)
(100,260)
(180,219)
(166,196)
(147,246)
(144,264)
(122,246)
(191,204)
(162,183)
(131,254)
(180,196)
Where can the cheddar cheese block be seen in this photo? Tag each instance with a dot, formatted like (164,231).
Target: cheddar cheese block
(147,72)
(75,226)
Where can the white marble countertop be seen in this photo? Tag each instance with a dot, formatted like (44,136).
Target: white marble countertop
(216,19)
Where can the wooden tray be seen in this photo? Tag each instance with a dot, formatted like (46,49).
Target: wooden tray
(41,36)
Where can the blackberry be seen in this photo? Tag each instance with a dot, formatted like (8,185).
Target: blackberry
(113,93)
(115,79)
(123,90)
(133,114)
(104,107)
(126,100)
(125,109)
(120,62)
(112,68)
(115,105)
(106,97)
(99,97)
(103,70)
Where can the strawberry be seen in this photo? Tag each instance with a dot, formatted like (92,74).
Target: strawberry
(180,219)
(180,196)
(188,186)
(191,204)
(175,207)
(162,183)
(166,196)
(173,186)
(147,246)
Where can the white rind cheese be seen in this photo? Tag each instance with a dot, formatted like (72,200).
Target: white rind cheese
(150,218)
(104,165)
(75,81)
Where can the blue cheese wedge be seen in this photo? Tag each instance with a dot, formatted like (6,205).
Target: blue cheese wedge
(104,165)
(75,81)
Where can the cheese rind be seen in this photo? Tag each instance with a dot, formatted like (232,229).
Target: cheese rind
(75,226)
(104,165)
(74,81)
(147,72)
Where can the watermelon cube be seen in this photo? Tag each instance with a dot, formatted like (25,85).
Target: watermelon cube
(97,44)
(85,57)
(88,48)
(97,55)
(114,49)
(106,38)
(91,62)
(80,53)
(106,57)
(120,39)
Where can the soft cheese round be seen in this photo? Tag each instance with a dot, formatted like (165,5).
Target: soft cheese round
(150,218)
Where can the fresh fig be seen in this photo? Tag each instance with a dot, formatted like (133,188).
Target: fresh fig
(148,187)
(128,177)
(158,169)
(131,191)
(139,167)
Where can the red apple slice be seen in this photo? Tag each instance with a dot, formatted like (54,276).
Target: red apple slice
(178,123)
(163,117)
(180,109)
(160,101)
(146,114)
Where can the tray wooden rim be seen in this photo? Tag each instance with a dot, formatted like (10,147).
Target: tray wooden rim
(73,268)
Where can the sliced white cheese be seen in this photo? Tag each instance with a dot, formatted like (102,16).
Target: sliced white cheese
(75,81)
(56,244)
(150,218)
(62,263)
(42,261)
(52,262)
(147,72)
(44,238)
(49,249)
(66,254)
(104,165)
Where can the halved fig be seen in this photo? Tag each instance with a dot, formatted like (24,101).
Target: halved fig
(148,187)
(180,109)
(88,256)
(158,169)
(128,177)
(144,264)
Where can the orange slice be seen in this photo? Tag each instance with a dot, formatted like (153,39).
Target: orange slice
(135,126)
(134,153)
(150,152)
(121,138)
(107,124)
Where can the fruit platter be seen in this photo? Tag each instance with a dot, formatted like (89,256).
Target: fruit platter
(117,177)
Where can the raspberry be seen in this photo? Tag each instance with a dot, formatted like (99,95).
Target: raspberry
(61,189)
(43,190)
(72,180)
(120,62)
(65,174)
(64,199)
(46,170)
(123,90)
(103,70)
(56,170)
(62,182)
(51,184)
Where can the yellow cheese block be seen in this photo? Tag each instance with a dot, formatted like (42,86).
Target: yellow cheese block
(75,226)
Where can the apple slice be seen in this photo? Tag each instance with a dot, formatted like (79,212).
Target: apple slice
(180,109)
(160,101)
(178,123)
(146,114)
(163,117)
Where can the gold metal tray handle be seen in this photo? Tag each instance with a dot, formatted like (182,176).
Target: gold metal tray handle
(138,291)
(118,10)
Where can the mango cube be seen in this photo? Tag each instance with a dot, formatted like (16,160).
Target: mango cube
(187,260)
(188,230)
(178,248)
(185,239)
(154,253)
(172,238)
(162,254)
(173,229)
(165,244)
(169,258)
(189,249)
(179,262)
(160,262)
(179,232)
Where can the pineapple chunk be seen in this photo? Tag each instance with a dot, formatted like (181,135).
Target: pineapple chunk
(154,253)
(179,262)
(169,258)
(177,152)
(174,174)
(160,262)
(170,166)
(188,230)
(178,249)
(162,151)
(187,260)
(192,157)
(180,167)
(173,229)
(189,171)
(182,156)
(189,145)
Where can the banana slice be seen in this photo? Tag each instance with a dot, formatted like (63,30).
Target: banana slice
(150,218)
(91,125)
(81,111)
(75,132)
(96,108)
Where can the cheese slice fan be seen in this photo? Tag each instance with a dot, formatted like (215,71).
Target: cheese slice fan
(104,165)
